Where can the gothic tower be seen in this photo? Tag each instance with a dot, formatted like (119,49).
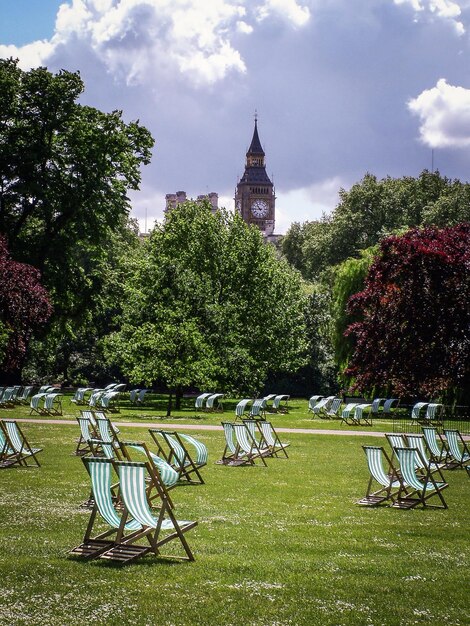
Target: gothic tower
(254,195)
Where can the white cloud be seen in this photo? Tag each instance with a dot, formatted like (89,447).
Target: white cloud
(444,112)
(287,9)
(443,9)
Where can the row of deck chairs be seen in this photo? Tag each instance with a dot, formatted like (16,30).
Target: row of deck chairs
(47,401)
(251,440)
(14,447)
(12,396)
(427,413)
(209,402)
(106,398)
(257,408)
(418,475)
(352,413)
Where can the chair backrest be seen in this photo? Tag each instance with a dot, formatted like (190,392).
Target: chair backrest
(313,401)
(430,435)
(4,444)
(168,475)
(201,448)
(335,406)
(141,395)
(417,408)
(323,404)
(258,407)
(241,407)
(376,402)
(89,415)
(133,394)
(417,442)
(433,411)
(229,436)
(133,487)
(267,432)
(199,403)
(244,438)
(375,456)
(278,399)
(409,460)
(105,429)
(452,437)
(14,435)
(388,404)
(212,398)
(86,427)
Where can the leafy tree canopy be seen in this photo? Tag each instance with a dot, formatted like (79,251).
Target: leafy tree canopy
(209,305)
(413,336)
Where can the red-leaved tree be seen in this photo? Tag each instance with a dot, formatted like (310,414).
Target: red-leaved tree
(414,335)
(24,309)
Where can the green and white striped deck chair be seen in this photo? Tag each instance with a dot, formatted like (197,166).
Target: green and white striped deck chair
(435,444)
(242,407)
(334,409)
(37,402)
(53,403)
(121,527)
(434,414)
(347,414)
(389,405)
(258,408)
(157,529)
(313,401)
(214,402)
(102,415)
(7,397)
(387,479)
(90,415)
(23,397)
(416,410)
(201,399)
(363,414)
(396,440)
(199,446)
(322,406)
(8,456)
(178,456)
(459,452)
(272,440)
(247,445)
(376,404)
(106,432)
(231,454)
(422,487)
(418,442)
(269,398)
(19,443)
(87,432)
(79,396)
(257,434)
(277,406)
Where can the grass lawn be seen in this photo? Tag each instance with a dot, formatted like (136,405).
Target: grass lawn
(282,545)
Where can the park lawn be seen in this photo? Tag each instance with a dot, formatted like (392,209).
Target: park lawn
(282,545)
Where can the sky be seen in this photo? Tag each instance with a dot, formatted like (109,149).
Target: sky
(341,88)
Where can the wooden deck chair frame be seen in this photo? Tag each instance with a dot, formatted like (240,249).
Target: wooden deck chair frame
(178,456)
(8,455)
(19,443)
(272,439)
(435,444)
(87,432)
(254,427)
(389,480)
(231,454)
(247,444)
(420,488)
(363,414)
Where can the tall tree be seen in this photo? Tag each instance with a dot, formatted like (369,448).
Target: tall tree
(413,336)
(210,305)
(24,309)
(65,171)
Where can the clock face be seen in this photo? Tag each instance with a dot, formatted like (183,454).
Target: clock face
(259,208)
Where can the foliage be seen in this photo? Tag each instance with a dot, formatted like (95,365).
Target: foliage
(413,337)
(65,170)
(24,308)
(209,305)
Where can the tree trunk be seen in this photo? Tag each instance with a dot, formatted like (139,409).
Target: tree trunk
(179,397)
(168,407)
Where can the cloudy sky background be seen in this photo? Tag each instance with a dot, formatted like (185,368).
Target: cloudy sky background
(342,87)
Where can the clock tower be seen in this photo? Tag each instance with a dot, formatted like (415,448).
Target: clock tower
(254,195)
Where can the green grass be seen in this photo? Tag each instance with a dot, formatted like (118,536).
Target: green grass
(282,545)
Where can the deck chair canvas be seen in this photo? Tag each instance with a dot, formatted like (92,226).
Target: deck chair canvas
(271,438)
(278,407)
(256,433)
(363,414)
(247,445)
(419,443)
(232,455)
(19,443)
(387,480)
(200,401)
(8,456)
(178,455)
(436,446)
(87,432)
(214,402)
(258,409)
(313,400)
(242,407)
(322,406)
(347,414)
(333,410)
(420,488)
(459,451)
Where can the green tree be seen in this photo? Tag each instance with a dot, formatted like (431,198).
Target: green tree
(65,171)
(209,305)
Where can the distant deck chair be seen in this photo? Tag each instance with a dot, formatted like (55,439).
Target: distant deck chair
(389,404)
(214,402)
(19,443)
(7,399)
(322,406)
(137,396)
(232,455)
(23,397)
(347,414)
(53,403)
(435,444)
(333,410)
(37,400)
(459,452)
(79,396)
(434,414)
(422,487)
(278,407)
(109,401)
(363,414)
(242,407)
(269,398)
(313,401)
(271,438)
(376,405)
(258,409)
(387,479)
(178,455)
(102,415)
(396,440)
(247,444)
(416,411)
(201,399)
(107,433)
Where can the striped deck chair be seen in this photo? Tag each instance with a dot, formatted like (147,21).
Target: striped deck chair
(121,527)
(388,479)
(157,529)
(200,448)
(271,438)
(137,396)
(376,404)
(247,445)
(347,414)
(201,399)
(109,401)
(322,406)
(434,414)
(79,396)
(214,402)
(333,410)
(106,432)
(102,415)
(422,487)
(269,398)
(396,441)
(53,403)
(389,404)
(435,444)
(363,414)
(242,408)
(416,411)
(418,442)
(87,432)
(37,400)
(8,456)
(19,443)
(232,455)
(23,397)
(178,455)
(257,434)
(313,401)
(7,400)
(459,452)
(258,409)
(278,407)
